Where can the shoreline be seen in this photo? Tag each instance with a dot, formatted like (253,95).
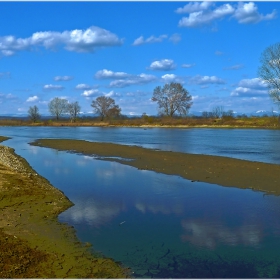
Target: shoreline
(34,244)
(224,171)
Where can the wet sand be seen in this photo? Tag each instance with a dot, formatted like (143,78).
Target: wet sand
(223,171)
(33,244)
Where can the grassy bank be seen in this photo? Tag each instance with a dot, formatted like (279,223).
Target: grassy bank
(210,169)
(33,243)
(240,122)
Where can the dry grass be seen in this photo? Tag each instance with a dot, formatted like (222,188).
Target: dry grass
(259,122)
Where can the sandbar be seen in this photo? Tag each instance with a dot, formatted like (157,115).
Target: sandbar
(224,171)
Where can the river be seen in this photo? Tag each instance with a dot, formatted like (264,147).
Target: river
(159,225)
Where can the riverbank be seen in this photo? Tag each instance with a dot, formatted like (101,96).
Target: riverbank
(33,243)
(223,171)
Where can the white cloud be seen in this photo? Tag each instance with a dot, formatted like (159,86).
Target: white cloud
(194,7)
(250,88)
(133,80)
(248,13)
(168,78)
(88,93)
(108,74)
(63,78)
(32,98)
(74,40)
(201,18)
(188,65)
(204,80)
(152,39)
(234,67)
(51,87)
(83,86)
(112,94)
(162,65)
(200,13)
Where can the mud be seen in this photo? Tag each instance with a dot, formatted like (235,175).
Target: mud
(228,172)
(33,244)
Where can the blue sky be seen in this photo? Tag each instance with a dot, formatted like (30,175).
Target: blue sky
(80,51)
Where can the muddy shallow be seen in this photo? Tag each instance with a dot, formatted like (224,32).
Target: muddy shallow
(33,243)
(223,171)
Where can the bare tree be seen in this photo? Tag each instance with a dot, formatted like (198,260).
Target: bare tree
(58,106)
(269,71)
(172,98)
(74,110)
(218,111)
(105,107)
(33,113)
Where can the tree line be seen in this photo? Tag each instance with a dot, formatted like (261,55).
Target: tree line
(172,99)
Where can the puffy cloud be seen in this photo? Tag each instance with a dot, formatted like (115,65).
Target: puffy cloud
(250,87)
(32,98)
(83,86)
(74,40)
(162,65)
(63,78)
(108,74)
(133,80)
(112,94)
(194,7)
(234,67)
(248,13)
(51,87)
(200,13)
(88,93)
(175,38)
(201,18)
(152,39)
(204,80)
(168,78)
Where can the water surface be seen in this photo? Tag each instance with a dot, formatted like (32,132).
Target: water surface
(159,225)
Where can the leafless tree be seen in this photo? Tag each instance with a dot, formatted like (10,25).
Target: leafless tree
(33,113)
(58,106)
(218,111)
(269,71)
(74,110)
(105,107)
(172,98)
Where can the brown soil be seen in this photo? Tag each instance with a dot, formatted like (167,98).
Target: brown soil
(33,244)
(211,169)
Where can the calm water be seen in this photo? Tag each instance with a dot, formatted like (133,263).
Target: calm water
(164,226)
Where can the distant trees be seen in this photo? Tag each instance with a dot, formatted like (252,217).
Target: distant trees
(33,113)
(269,71)
(73,110)
(218,112)
(172,98)
(58,106)
(105,107)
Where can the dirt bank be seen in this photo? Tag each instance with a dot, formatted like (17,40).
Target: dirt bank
(211,169)
(33,244)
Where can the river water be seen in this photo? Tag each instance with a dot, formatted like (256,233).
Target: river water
(159,225)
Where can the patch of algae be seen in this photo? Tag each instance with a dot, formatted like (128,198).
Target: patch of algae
(33,244)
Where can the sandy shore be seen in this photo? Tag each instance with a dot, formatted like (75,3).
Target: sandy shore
(33,243)
(223,171)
